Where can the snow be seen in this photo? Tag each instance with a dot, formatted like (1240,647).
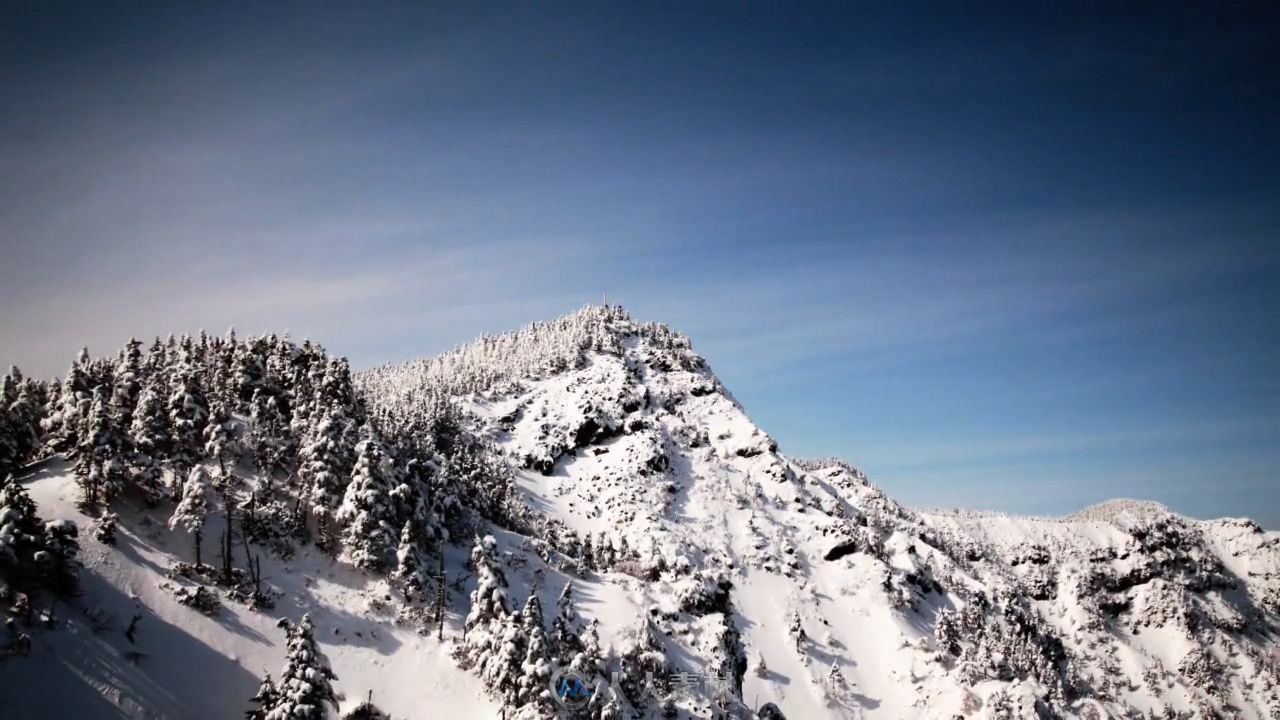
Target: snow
(189,666)
(723,500)
(618,429)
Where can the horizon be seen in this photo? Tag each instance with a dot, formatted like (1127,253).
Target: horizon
(1023,261)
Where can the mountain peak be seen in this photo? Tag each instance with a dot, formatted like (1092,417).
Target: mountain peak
(598,458)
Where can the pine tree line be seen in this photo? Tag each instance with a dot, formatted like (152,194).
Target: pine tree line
(408,393)
(179,420)
(511,649)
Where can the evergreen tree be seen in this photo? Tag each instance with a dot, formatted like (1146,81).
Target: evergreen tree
(61,546)
(324,466)
(128,384)
(447,517)
(489,609)
(489,599)
(335,389)
(266,698)
(642,658)
(74,398)
(220,442)
(502,670)
(589,661)
(835,678)
(266,440)
(97,468)
(366,711)
(565,643)
(22,536)
(104,528)
(366,509)
(249,370)
(795,629)
(20,416)
(188,411)
(536,668)
(477,475)
(9,427)
(305,683)
(193,508)
(606,556)
(410,566)
(151,442)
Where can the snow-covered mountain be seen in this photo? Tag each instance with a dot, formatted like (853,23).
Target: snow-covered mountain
(708,573)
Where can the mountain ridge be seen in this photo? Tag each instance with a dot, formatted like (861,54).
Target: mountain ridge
(713,575)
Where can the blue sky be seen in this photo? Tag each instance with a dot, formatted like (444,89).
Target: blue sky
(998,259)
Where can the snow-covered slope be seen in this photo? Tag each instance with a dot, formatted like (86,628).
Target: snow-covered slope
(184,664)
(1122,609)
(748,582)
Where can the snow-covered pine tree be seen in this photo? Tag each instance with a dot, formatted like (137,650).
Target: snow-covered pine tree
(104,528)
(22,537)
(482,481)
(59,557)
(249,367)
(149,434)
(188,411)
(128,384)
(835,678)
(305,687)
(502,668)
(795,628)
(324,467)
(410,568)
(266,440)
(220,442)
(335,389)
(410,497)
(606,554)
(97,469)
(727,661)
(564,640)
(448,517)
(227,485)
(222,360)
(413,499)
(155,364)
(74,397)
(588,552)
(366,509)
(946,631)
(489,609)
(265,699)
(589,660)
(9,452)
(536,669)
(366,711)
(642,659)
(193,508)
(21,408)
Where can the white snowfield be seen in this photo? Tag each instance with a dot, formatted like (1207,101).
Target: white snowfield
(797,579)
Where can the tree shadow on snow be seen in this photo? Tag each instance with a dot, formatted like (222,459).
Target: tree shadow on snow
(75,672)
